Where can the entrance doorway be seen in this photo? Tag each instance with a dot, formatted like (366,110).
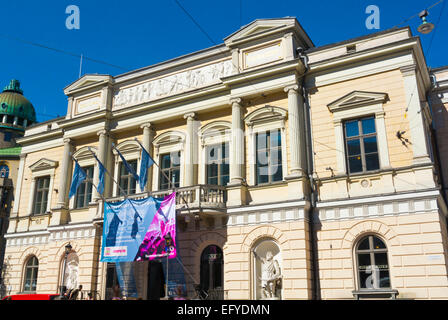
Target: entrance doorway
(212,273)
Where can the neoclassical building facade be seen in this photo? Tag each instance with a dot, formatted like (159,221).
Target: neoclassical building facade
(302,172)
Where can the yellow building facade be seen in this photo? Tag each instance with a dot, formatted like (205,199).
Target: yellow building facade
(321,158)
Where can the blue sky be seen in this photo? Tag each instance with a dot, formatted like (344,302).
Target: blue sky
(135,34)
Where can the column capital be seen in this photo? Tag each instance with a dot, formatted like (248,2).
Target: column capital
(236,101)
(102,132)
(292,89)
(147,125)
(190,116)
(67,141)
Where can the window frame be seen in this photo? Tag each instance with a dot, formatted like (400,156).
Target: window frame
(371,251)
(222,160)
(34,273)
(358,104)
(361,136)
(37,191)
(168,171)
(88,183)
(268,149)
(127,176)
(131,151)
(265,119)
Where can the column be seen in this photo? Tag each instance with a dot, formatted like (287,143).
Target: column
(415,115)
(18,187)
(65,174)
(102,157)
(190,150)
(237,150)
(148,137)
(296,130)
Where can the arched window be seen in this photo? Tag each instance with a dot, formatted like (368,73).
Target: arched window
(212,270)
(372,263)
(31,270)
(4,171)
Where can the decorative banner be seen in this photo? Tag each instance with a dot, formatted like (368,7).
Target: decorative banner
(126,278)
(135,230)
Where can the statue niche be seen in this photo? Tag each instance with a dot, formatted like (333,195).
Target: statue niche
(268,276)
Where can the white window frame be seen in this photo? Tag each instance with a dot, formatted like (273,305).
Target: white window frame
(167,142)
(42,168)
(356,105)
(131,150)
(264,119)
(214,133)
(86,159)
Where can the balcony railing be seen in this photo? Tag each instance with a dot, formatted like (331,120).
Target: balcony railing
(194,199)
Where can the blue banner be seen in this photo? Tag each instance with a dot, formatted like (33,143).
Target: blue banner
(135,230)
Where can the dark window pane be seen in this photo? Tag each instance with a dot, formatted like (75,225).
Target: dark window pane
(384,279)
(166,163)
(277,173)
(372,161)
(262,157)
(354,147)
(355,164)
(368,126)
(351,129)
(381,261)
(364,261)
(365,279)
(370,145)
(263,174)
(364,244)
(378,244)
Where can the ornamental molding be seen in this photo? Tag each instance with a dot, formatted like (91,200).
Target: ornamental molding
(357,99)
(172,84)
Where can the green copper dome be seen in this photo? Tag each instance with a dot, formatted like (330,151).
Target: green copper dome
(13,103)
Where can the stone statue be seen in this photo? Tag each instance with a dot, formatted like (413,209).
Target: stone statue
(271,277)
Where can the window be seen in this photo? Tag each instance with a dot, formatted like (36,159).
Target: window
(218,164)
(4,171)
(41,195)
(7,137)
(84,193)
(169,169)
(372,263)
(269,157)
(127,181)
(31,270)
(361,145)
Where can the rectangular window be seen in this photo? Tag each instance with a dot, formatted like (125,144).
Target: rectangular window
(41,195)
(269,157)
(169,169)
(84,193)
(217,164)
(361,145)
(127,181)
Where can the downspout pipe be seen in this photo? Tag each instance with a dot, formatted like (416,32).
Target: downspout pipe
(310,169)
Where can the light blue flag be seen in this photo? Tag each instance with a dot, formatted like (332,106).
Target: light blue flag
(127,165)
(79,175)
(146,163)
(102,171)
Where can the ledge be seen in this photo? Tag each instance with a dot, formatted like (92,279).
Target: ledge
(375,294)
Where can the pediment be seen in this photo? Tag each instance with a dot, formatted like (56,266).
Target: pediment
(266,113)
(263,26)
(85,153)
(357,99)
(86,81)
(44,164)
